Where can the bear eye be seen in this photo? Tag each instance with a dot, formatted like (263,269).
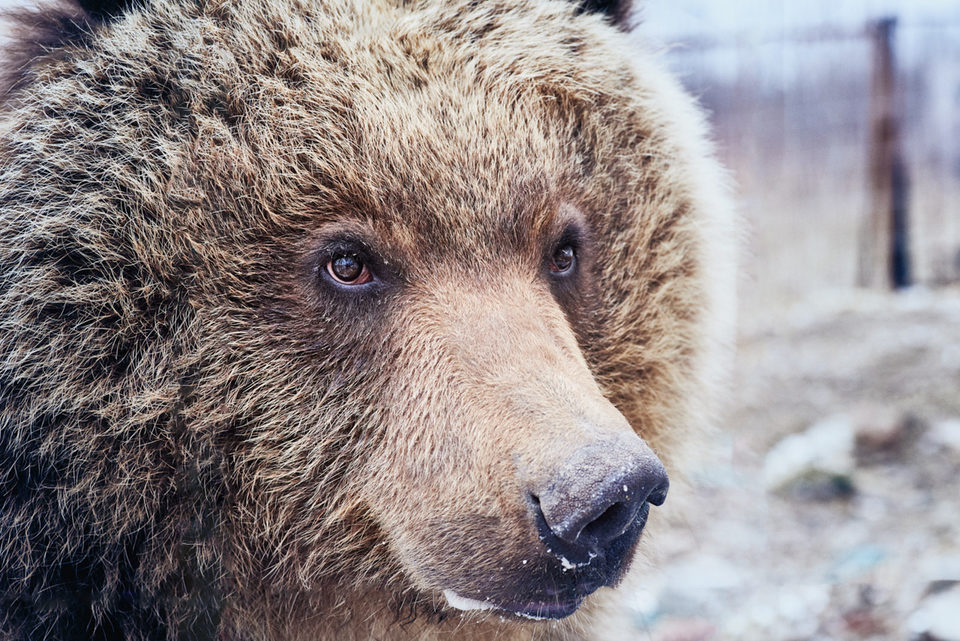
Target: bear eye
(563,260)
(348,269)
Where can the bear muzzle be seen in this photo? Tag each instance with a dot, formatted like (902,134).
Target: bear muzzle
(588,516)
(561,480)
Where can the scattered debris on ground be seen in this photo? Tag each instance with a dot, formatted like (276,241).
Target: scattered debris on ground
(830,509)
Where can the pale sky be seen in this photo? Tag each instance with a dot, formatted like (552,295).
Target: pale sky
(673,18)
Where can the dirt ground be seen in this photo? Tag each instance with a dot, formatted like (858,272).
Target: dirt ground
(855,563)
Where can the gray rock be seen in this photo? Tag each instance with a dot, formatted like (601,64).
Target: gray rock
(940,569)
(881,432)
(786,612)
(692,629)
(856,562)
(699,584)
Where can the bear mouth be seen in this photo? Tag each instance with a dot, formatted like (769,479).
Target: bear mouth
(543,596)
(562,583)
(531,610)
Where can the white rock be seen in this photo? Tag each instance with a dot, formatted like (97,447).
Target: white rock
(820,456)
(946,434)
(937,618)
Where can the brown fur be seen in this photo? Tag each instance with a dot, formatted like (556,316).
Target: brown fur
(200,441)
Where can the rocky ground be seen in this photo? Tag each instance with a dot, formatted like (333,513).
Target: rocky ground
(829,506)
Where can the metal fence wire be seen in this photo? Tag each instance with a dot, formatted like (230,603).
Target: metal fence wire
(804,122)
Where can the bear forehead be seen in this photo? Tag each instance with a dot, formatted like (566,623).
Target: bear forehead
(238,121)
(462,112)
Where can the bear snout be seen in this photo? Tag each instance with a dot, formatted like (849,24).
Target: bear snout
(589,514)
(595,504)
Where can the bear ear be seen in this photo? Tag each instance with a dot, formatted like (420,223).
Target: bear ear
(33,33)
(104,10)
(616,11)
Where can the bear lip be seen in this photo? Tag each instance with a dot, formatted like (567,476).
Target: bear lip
(463,603)
(574,578)
(532,610)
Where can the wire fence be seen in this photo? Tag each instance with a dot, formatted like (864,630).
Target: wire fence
(792,116)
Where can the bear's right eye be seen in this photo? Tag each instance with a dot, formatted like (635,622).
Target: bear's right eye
(563,260)
(348,269)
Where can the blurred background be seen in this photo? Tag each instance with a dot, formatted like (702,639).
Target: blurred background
(827,502)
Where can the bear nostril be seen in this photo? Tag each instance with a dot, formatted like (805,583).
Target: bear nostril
(609,525)
(659,494)
(598,495)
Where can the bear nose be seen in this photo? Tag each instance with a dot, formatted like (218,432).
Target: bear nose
(599,492)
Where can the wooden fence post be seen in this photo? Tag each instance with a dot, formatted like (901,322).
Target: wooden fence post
(884,242)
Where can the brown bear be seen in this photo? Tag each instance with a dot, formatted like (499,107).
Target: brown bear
(344,319)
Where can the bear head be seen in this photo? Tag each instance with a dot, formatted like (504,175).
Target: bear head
(305,298)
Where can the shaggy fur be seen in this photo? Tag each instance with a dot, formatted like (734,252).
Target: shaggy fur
(199,437)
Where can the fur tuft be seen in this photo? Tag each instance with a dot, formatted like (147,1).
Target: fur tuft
(104,10)
(39,35)
(616,11)
(53,30)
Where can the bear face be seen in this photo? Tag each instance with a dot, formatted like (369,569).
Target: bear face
(383,300)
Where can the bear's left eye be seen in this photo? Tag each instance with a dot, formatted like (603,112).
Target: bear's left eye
(348,269)
(564,259)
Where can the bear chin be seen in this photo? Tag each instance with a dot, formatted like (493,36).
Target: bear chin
(554,581)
